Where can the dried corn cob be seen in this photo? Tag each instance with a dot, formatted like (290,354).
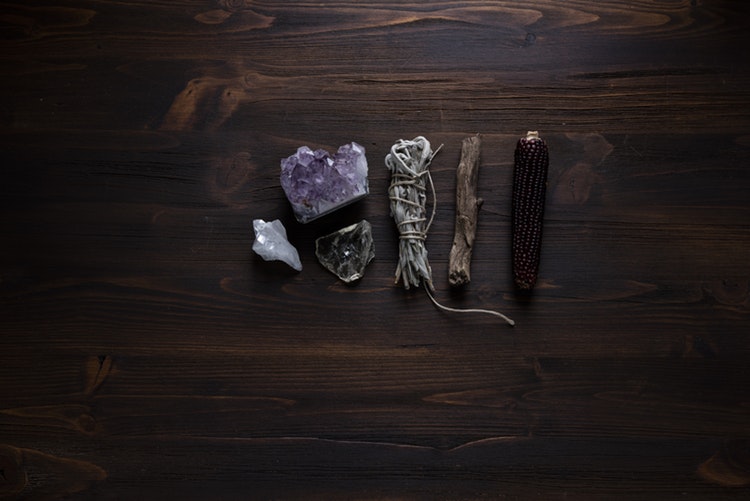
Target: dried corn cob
(529,189)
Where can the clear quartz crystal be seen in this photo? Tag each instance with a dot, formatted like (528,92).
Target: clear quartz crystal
(316,183)
(347,252)
(272,245)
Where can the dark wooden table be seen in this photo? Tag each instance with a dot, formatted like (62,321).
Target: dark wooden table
(147,353)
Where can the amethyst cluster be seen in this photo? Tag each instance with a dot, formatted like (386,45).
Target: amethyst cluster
(317,183)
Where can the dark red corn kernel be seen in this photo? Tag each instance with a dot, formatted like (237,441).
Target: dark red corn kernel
(527,214)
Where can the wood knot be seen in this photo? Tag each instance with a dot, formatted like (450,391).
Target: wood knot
(13,477)
(86,423)
(228,178)
(730,466)
(233,5)
(730,292)
(38,475)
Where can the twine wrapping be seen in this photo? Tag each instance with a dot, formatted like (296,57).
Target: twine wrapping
(408,162)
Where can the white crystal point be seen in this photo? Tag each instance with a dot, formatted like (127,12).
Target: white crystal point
(272,245)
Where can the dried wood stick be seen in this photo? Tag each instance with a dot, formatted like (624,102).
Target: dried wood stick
(467,210)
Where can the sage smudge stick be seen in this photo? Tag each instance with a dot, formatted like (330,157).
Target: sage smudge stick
(408,162)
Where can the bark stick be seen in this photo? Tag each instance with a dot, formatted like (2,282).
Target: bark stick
(467,210)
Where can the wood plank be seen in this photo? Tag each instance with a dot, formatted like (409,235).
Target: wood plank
(146,352)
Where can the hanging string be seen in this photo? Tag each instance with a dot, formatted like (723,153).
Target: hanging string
(409,162)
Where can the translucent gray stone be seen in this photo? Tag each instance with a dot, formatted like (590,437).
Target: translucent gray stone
(272,245)
(347,252)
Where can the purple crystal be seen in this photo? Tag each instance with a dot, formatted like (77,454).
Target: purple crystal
(317,183)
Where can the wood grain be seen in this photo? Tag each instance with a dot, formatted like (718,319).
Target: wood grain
(467,212)
(146,352)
